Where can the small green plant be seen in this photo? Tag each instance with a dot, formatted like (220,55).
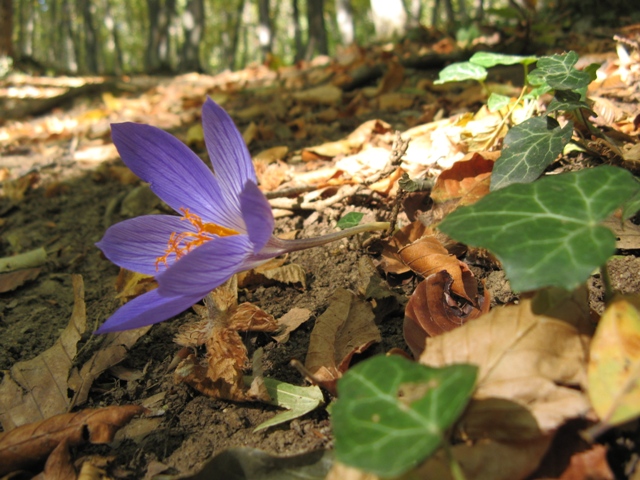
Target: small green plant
(546,233)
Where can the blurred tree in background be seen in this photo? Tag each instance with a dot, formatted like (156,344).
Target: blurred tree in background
(171,36)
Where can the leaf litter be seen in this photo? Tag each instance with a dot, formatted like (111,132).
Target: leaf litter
(434,147)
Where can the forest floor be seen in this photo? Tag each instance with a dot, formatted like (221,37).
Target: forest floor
(63,185)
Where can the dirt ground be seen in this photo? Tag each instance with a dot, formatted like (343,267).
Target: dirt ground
(189,428)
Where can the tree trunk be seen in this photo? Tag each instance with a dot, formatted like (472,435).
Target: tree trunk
(234,37)
(265,33)
(160,14)
(71,44)
(90,38)
(297,30)
(317,42)
(193,26)
(389,19)
(344,18)
(115,38)
(6,29)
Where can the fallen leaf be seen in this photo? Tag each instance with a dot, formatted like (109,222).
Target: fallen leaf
(11,281)
(130,285)
(36,389)
(345,328)
(323,95)
(427,256)
(466,181)
(297,400)
(220,374)
(290,321)
(33,442)
(113,350)
(432,310)
(614,364)
(534,353)
(589,465)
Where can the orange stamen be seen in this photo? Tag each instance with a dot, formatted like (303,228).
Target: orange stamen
(182,243)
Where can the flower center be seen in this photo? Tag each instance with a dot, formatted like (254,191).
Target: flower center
(183,243)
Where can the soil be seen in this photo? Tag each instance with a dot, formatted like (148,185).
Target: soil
(70,218)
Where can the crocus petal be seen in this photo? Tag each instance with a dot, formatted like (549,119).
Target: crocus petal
(136,244)
(257,215)
(206,267)
(227,151)
(175,173)
(147,309)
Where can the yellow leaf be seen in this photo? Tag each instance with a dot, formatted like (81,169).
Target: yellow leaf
(614,364)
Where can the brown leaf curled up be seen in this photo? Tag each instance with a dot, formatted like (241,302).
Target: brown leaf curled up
(433,310)
(31,443)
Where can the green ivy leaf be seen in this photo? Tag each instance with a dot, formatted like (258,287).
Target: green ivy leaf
(528,149)
(489,59)
(566,100)
(497,101)
(547,233)
(458,72)
(559,73)
(392,413)
(351,219)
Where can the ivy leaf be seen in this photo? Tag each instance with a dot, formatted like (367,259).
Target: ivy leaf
(497,101)
(559,73)
(568,100)
(457,72)
(351,219)
(490,59)
(528,149)
(393,413)
(547,233)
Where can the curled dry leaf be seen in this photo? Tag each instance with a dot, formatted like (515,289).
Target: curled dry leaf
(466,181)
(345,328)
(33,442)
(220,375)
(433,310)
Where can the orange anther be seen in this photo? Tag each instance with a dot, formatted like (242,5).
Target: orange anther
(182,243)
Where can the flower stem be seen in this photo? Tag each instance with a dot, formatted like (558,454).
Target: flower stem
(304,243)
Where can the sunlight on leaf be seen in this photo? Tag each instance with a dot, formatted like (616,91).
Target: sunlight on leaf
(560,74)
(393,413)
(457,72)
(614,364)
(547,233)
(497,102)
(528,149)
(490,59)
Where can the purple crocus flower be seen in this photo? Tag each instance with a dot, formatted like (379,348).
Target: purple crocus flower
(226,225)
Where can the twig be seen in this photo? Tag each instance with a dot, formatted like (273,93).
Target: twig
(398,149)
(306,202)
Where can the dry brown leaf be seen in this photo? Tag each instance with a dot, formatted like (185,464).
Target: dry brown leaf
(271,155)
(396,101)
(589,465)
(345,328)
(37,389)
(113,350)
(432,310)
(290,274)
(12,280)
(355,141)
(33,442)
(427,256)
(16,189)
(59,465)
(221,374)
(290,321)
(466,181)
(323,95)
(130,285)
(537,360)
(391,261)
